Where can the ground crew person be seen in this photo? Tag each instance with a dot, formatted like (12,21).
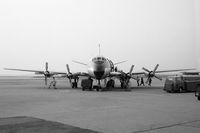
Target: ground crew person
(150,80)
(138,81)
(91,83)
(53,83)
(75,83)
(142,81)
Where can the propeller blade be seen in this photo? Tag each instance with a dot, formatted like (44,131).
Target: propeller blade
(69,76)
(70,81)
(156,67)
(45,78)
(68,70)
(145,69)
(131,70)
(157,77)
(147,80)
(46,66)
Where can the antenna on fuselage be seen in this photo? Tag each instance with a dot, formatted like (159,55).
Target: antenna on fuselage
(99,49)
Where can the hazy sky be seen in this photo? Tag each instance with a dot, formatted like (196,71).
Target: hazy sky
(144,32)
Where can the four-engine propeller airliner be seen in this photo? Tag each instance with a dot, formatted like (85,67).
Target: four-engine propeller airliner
(100,68)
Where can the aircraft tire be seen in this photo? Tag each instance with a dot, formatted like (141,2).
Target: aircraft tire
(83,89)
(180,89)
(98,88)
(122,85)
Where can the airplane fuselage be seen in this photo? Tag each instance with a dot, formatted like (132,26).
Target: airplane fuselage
(99,67)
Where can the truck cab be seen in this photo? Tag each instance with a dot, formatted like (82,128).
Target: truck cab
(174,84)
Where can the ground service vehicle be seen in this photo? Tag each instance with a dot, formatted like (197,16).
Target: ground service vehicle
(182,83)
(86,84)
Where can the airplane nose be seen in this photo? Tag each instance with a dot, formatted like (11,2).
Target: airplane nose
(98,74)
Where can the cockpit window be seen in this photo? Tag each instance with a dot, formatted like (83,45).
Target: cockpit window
(103,59)
(98,58)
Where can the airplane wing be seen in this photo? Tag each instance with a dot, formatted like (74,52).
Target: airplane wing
(46,73)
(149,74)
(35,71)
(163,71)
(173,70)
(77,74)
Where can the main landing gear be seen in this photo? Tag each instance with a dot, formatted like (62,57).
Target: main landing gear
(98,87)
(125,85)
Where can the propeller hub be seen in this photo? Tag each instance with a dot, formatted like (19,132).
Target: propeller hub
(151,74)
(47,74)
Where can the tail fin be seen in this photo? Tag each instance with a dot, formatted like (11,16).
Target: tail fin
(80,63)
(99,49)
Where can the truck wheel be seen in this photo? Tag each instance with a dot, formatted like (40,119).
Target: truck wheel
(168,91)
(180,89)
(172,91)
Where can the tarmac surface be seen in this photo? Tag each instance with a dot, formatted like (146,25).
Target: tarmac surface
(141,110)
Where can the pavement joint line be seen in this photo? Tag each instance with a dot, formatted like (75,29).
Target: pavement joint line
(167,126)
(189,126)
(78,110)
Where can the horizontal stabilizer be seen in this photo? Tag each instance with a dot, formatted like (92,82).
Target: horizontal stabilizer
(120,62)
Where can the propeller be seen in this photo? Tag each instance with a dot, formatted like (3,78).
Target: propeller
(126,76)
(151,73)
(129,74)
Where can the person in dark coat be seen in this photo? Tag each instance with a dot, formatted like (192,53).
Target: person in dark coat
(150,80)
(53,83)
(142,81)
(138,81)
